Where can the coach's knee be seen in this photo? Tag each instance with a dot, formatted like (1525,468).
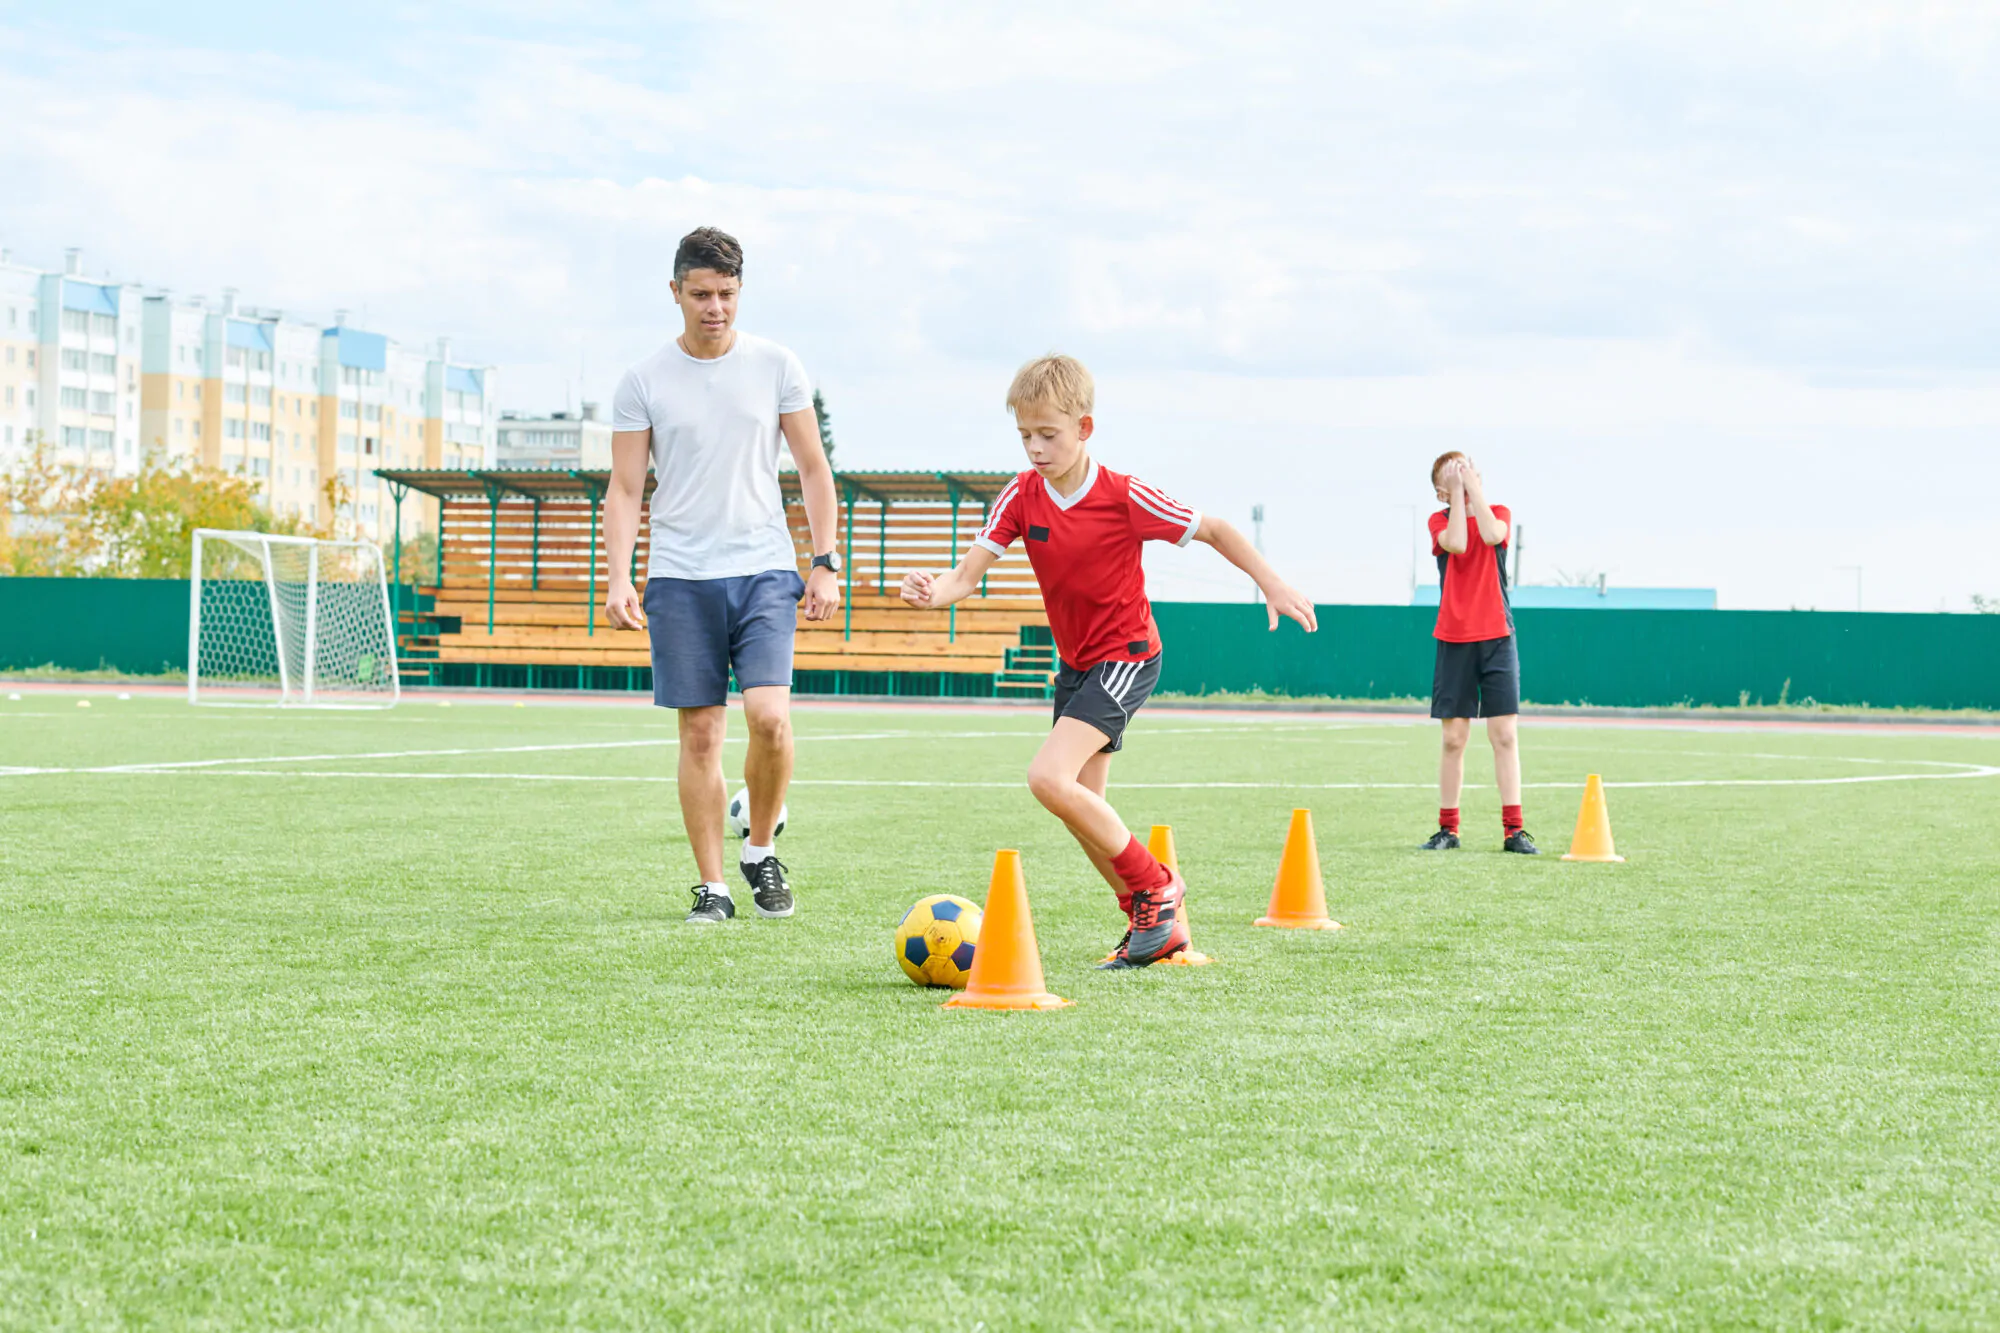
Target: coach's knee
(1455,739)
(702,738)
(770,728)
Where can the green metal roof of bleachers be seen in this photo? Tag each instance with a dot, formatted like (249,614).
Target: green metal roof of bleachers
(577,483)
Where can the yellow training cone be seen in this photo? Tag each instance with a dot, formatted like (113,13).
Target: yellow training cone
(1593,826)
(1007,964)
(1298,899)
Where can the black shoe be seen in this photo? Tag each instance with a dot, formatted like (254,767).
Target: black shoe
(1444,840)
(1519,841)
(710,907)
(768,889)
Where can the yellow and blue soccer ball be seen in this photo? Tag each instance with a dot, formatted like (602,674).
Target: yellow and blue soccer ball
(935,941)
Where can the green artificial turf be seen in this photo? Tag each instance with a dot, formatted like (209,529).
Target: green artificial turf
(434,1050)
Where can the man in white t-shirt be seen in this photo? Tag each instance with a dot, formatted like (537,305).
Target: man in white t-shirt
(712,410)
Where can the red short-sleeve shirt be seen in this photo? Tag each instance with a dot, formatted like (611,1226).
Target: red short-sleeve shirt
(1471,606)
(1085,553)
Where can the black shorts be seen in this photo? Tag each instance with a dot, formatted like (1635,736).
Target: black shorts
(1480,679)
(1106,695)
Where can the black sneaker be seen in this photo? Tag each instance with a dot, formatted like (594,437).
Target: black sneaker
(768,889)
(1444,840)
(710,907)
(1519,841)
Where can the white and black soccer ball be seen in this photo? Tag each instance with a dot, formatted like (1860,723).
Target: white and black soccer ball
(738,818)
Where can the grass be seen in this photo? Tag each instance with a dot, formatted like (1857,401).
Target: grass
(388,1052)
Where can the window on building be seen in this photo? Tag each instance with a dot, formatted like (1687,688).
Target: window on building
(260,467)
(10,435)
(233,357)
(76,321)
(104,326)
(101,439)
(180,392)
(232,429)
(10,395)
(372,413)
(75,359)
(260,430)
(10,356)
(260,396)
(33,319)
(350,411)
(103,363)
(75,437)
(260,361)
(128,411)
(197,393)
(78,399)
(194,428)
(31,395)
(102,403)
(346,442)
(178,425)
(234,393)
(31,358)
(13,315)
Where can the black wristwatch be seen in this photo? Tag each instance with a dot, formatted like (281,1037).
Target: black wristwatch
(830,562)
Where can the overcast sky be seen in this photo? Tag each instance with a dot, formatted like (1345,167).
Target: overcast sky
(1711,292)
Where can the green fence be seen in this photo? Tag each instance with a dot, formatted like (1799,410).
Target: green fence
(136,625)
(1616,658)
(1622,658)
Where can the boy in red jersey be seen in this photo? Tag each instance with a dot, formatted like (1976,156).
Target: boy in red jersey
(1084,526)
(1478,672)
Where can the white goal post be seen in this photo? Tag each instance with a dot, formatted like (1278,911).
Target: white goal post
(280,620)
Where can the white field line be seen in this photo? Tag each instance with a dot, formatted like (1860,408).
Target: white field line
(650,742)
(1968,771)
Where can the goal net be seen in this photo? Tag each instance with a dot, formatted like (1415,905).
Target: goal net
(289,620)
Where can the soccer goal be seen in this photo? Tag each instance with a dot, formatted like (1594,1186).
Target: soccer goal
(289,620)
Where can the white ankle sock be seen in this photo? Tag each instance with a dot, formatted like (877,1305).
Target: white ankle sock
(752,855)
(721,890)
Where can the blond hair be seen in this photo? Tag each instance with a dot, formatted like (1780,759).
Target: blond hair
(1054,381)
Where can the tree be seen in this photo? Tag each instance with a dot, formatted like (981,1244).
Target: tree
(68,520)
(1986,606)
(825,424)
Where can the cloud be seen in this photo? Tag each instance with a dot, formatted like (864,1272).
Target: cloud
(1313,228)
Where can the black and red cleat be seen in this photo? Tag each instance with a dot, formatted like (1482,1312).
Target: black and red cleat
(1159,927)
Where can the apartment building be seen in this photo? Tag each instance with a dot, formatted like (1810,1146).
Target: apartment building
(69,366)
(108,375)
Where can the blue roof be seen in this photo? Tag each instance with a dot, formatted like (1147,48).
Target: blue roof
(464,379)
(252,337)
(89,296)
(363,351)
(1542,595)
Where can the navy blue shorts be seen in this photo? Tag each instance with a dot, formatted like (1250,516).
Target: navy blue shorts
(701,628)
(1481,679)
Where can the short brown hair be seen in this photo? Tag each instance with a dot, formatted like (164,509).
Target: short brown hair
(1453,457)
(708,247)
(1054,381)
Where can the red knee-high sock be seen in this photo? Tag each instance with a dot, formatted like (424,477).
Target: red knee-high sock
(1448,818)
(1510,819)
(1139,869)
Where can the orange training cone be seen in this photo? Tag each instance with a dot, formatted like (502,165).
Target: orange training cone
(1007,965)
(1593,826)
(1298,899)
(1161,844)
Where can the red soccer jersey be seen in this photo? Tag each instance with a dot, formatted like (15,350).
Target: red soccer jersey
(1085,550)
(1471,607)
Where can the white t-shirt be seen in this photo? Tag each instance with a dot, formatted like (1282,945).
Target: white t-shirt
(717,511)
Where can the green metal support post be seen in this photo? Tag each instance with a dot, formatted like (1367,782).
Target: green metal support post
(535,550)
(847,573)
(440,567)
(492,548)
(882,549)
(397,490)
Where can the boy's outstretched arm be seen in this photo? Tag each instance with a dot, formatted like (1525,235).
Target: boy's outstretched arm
(935,591)
(1280,597)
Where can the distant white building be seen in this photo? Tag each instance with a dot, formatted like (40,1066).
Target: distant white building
(69,366)
(558,440)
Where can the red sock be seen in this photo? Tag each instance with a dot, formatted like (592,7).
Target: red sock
(1510,819)
(1137,867)
(1448,819)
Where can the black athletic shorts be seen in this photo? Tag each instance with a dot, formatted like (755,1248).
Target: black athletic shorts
(1480,679)
(1106,695)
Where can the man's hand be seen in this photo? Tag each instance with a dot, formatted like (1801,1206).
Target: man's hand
(822,593)
(917,589)
(1282,599)
(1454,477)
(623,608)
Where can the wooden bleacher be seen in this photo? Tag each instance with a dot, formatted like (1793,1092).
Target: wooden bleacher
(520,585)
